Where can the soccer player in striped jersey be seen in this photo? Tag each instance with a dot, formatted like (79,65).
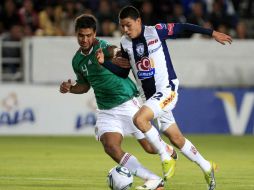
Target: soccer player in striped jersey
(145,48)
(115,97)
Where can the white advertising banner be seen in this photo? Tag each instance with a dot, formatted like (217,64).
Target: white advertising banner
(198,63)
(43,110)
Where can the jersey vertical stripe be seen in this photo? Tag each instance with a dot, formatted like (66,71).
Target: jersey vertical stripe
(140,51)
(150,61)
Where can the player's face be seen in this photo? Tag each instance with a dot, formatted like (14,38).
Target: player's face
(86,38)
(130,27)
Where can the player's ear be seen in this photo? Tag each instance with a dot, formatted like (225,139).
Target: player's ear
(138,20)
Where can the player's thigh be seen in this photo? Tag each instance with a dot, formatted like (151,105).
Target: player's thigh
(110,139)
(166,120)
(145,113)
(162,101)
(107,123)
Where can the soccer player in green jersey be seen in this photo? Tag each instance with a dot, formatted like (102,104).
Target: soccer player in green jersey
(115,97)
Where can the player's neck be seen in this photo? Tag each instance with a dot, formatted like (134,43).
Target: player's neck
(87,51)
(139,32)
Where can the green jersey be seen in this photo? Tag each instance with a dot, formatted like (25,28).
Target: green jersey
(109,89)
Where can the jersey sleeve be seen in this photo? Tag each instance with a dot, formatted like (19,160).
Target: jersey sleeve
(172,30)
(121,72)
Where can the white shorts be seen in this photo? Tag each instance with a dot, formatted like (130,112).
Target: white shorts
(162,103)
(119,120)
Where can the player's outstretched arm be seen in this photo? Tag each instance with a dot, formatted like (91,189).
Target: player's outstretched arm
(68,87)
(117,59)
(221,37)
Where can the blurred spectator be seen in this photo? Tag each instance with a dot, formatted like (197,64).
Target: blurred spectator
(218,16)
(105,11)
(49,21)
(105,14)
(178,14)
(223,13)
(187,6)
(55,17)
(70,12)
(28,17)
(197,16)
(165,10)
(11,52)
(250,9)
(241,31)
(9,15)
(147,13)
(107,28)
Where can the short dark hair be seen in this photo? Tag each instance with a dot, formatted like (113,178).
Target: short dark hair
(85,21)
(129,11)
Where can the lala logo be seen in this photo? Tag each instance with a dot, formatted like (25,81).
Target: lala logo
(11,115)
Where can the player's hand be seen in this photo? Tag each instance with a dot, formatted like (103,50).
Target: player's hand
(99,56)
(117,52)
(121,62)
(65,86)
(221,37)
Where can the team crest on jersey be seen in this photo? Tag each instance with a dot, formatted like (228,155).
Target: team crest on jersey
(140,49)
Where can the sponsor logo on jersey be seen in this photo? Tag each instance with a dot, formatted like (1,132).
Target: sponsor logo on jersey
(160,26)
(140,49)
(145,68)
(170,29)
(152,42)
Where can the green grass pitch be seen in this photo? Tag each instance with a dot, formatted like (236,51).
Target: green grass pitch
(79,163)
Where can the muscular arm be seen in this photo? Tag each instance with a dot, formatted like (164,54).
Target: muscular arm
(77,88)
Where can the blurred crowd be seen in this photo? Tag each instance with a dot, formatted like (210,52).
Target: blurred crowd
(25,18)
(21,18)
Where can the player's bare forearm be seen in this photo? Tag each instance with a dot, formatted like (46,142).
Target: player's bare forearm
(79,88)
(68,87)
(221,37)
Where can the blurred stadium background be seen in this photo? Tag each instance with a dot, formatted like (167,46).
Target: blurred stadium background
(37,44)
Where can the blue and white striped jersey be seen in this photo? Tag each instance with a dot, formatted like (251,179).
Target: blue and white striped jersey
(149,58)
(149,55)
